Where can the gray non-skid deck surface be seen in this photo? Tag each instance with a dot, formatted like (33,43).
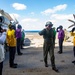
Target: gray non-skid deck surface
(31,63)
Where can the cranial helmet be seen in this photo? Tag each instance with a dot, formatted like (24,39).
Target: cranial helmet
(9,26)
(19,26)
(60,26)
(49,23)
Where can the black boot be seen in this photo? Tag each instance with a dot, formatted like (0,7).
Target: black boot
(55,69)
(13,66)
(20,53)
(73,61)
(46,65)
(59,52)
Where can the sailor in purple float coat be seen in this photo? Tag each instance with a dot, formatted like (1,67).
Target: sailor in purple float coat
(18,36)
(61,38)
(18,33)
(61,34)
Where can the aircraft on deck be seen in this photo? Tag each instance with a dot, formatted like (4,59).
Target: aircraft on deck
(6,19)
(72,21)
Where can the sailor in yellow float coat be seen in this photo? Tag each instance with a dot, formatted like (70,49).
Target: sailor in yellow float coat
(73,34)
(11,42)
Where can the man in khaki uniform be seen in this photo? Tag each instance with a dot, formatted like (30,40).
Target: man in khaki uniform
(48,45)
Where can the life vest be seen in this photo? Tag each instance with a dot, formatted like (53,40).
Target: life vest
(73,34)
(10,38)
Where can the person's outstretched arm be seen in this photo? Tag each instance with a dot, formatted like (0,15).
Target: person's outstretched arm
(42,32)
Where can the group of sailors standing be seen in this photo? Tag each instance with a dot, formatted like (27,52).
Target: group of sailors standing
(15,38)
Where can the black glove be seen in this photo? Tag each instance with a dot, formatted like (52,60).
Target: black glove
(73,29)
(57,29)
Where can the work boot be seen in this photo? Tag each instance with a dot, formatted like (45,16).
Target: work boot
(59,52)
(55,69)
(13,66)
(73,61)
(46,65)
(20,53)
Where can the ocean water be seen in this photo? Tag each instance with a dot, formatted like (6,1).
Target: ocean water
(31,32)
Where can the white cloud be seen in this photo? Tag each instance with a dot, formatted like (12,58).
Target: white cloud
(60,7)
(62,16)
(29,20)
(19,6)
(62,19)
(39,24)
(54,9)
(32,24)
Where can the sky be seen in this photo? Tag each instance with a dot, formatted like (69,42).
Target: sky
(33,14)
